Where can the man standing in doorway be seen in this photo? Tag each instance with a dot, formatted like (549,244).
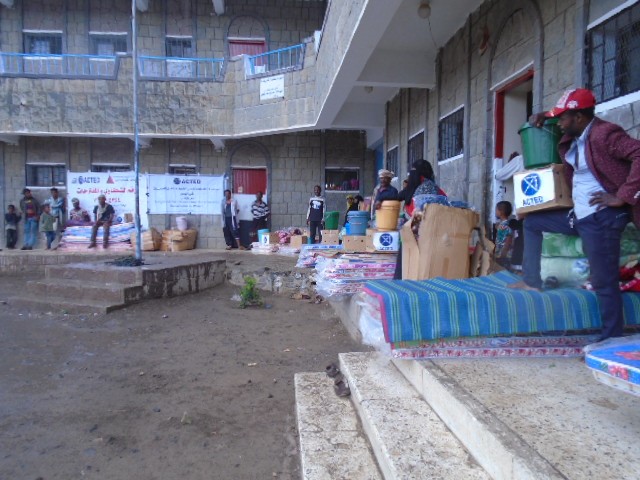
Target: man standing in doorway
(315,214)
(30,207)
(602,165)
(103,214)
(230,227)
(260,213)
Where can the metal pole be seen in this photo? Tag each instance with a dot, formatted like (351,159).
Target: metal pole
(136,143)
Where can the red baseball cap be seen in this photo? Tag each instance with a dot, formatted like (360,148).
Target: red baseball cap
(575,99)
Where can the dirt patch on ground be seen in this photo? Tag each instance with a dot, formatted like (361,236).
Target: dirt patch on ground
(190,387)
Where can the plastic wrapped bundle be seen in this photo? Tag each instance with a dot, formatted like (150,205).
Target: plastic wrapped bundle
(310,253)
(346,275)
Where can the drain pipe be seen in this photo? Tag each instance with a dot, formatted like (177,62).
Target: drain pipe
(136,140)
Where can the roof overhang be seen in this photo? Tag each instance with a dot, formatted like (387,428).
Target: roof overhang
(392,47)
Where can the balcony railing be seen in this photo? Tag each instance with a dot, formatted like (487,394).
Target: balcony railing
(282,60)
(58,66)
(180,69)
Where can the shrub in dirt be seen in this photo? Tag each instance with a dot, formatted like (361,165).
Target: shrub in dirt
(249,296)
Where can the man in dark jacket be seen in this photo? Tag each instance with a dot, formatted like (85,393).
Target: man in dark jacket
(602,164)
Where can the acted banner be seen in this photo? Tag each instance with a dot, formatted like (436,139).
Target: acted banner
(118,187)
(185,194)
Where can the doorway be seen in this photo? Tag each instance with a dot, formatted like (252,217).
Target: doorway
(247,182)
(514,106)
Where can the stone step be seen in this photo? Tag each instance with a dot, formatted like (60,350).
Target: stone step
(501,451)
(63,305)
(332,444)
(85,291)
(408,438)
(94,271)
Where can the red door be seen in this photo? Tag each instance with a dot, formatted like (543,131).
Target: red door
(249,180)
(246,47)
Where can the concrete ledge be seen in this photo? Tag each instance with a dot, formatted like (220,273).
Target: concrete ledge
(498,449)
(408,438)
(348,311)
(332,445)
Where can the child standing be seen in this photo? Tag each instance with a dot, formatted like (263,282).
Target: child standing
(315,214)
(47,225)
(504,234)
(11,219)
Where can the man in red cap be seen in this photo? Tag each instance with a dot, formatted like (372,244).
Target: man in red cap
(602,166)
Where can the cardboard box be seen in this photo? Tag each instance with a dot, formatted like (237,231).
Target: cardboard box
(178,240)
(382,241)
(443,246)
(151,240)
(330,237)
(298,240)
(270,239)
(354,243)
(541,189)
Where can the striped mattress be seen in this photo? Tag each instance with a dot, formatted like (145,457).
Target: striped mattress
(484,306)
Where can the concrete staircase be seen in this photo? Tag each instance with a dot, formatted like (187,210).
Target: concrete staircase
(97,287)
(407,440)
(520,418)
(417,422)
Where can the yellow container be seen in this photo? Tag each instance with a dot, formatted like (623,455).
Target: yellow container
(387,215)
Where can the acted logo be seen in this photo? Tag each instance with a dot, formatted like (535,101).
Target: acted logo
(531,185)
(183,181)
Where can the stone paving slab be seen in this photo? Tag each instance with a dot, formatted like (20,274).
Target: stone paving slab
(584,429)
(332,444)
(408,438)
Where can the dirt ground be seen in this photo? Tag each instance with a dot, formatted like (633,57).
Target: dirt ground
(191,387)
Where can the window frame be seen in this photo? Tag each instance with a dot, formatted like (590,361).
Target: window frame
(95,37)
(28,36)
(417,153)
(110,167)
(607,63)
(451,126)
(342,170)
(180,39)
(30,175)
(174,169)
(394,152)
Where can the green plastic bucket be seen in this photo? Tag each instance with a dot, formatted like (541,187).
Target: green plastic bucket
(331,220)
(540,145)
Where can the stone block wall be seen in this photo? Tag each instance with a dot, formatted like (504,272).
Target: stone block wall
(522,34)
(286,22)
(295,163)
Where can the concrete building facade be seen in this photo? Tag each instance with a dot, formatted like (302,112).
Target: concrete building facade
(363,80)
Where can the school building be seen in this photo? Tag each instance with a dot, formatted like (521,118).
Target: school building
(281,95)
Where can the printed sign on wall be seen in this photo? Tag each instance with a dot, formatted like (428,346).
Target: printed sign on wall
(272,87)
(118,187)
(185,194)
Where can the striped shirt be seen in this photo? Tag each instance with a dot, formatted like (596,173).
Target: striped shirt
(259,210)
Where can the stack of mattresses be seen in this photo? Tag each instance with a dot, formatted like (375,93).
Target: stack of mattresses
(616,363)
(78,238)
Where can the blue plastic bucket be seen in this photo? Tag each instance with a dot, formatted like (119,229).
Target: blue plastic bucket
(262,233)
(358,222)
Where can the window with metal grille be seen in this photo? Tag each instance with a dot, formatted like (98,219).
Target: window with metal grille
(451,135)
(39,175)
(415,149)
(179,47)
(106,167)
(342,179)
(392,160)
(108,44)
(43,43)
(613,55)
(182,169)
